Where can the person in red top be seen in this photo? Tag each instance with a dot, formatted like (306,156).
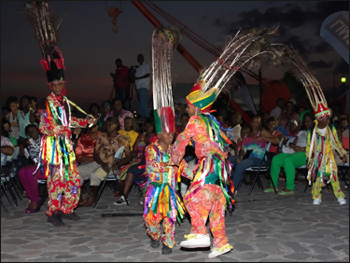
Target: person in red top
(121,80)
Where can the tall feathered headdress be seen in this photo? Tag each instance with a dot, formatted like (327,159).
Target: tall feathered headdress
(163,42)
(241,51)
(313,89)
(42,18)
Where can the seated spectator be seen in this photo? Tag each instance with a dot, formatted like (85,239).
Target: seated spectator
(271,126)
(233,132)
(7,128)
(287,114)
(12,117)
(255,143)
(183,122)
(107,144)
(7,148)
(292,157)
(180,108)
(135,171)
(118,111)
(28,178)
(129,132)
(106,108)
(4,112)
(32,103)
(276,112)
(84,150)
(293,128)
(221,119)
(25,117)
(94,110)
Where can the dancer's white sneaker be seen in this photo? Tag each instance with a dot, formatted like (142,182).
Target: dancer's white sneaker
(196,240)
(341,201)
(317,201)
(219,251)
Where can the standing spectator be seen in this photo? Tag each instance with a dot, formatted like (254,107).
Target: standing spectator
(280,103)
(119,112)
(142,83)
(121,80)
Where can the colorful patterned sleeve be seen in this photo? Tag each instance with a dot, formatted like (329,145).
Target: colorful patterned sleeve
(152,165)
(184,138)
(79,122)
(338,146)
(51,129)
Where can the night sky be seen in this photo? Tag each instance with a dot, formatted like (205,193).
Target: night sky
(90,47)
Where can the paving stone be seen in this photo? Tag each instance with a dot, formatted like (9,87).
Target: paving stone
(326,257)
(8,256)
(296,246)
(80,249)
(341,247)
(321,249)
(14,241)
(80,240)
(298,256)
(258,223)
(272,248)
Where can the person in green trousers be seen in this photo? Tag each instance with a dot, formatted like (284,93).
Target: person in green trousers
(291,158)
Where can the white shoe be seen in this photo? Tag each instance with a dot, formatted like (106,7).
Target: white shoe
(121,201)
(219,251)
(341,201)
(317,201)
(196,240)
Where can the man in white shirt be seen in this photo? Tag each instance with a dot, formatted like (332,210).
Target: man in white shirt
(276,112)
(142,83)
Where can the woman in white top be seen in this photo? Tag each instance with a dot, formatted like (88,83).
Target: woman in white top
(291,159)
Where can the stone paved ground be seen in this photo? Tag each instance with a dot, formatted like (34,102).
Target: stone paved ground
(263,227)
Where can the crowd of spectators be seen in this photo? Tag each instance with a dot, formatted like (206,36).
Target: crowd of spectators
(283,129)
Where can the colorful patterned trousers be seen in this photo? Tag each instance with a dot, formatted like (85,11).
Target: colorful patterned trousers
(154,229)
(63,194)
(211,201)
(317,188)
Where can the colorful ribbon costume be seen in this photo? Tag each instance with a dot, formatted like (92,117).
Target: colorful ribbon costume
(211,186)
(161,200)
(321,143)
(57,155)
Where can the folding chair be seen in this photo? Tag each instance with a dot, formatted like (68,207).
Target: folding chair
(262,167)
(112,176)
(344,173)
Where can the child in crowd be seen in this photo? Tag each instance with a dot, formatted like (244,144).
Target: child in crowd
(28,178)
